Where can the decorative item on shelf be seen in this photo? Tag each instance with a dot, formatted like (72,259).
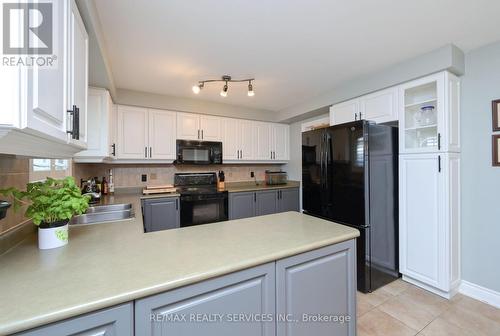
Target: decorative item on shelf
(425,116)
(226,79)
(496,115)
(51,204)
(4,205)
(496,150)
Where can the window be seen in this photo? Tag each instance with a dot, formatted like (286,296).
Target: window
(43,168)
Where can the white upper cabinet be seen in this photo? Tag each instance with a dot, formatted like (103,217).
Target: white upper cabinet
(188,126)
(192,126)
(344,112)
(145,134)
(281,142)
(255,141)
(380,106)
(162,134)
(101,122)
(429,111)
(210,128)
(246,140)
(132,133)
(46,110)
(231,139)
(78,73)
(34,119)
(263,141)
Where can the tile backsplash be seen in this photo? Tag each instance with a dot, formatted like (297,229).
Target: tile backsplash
(14,172)
(130,175)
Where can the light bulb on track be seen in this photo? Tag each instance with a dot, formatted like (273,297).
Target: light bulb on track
(251,92)
(223,92)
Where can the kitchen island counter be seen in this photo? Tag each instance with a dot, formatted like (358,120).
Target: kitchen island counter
(111,263)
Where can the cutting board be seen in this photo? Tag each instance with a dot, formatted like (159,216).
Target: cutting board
(158,191)
(166,186)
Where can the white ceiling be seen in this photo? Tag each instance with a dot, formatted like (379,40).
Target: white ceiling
(295,49)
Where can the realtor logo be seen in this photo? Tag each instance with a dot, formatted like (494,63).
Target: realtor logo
(27,28)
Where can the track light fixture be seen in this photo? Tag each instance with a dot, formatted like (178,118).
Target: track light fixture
(225,79)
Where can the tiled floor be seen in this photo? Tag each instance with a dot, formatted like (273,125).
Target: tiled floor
(401,309)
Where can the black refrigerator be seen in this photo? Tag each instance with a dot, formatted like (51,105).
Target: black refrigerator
(350,176)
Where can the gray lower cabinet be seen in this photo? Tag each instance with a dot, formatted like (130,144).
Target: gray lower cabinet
(288,199)
(241,205)
(263,202)
(318,284)
(160,213)
(216,307)
(312,293)
(115,321)
(267,202)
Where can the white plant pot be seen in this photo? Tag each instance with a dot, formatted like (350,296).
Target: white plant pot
(49,238)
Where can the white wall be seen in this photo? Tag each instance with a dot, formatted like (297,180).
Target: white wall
(182,104)
(448,58)
(480,181)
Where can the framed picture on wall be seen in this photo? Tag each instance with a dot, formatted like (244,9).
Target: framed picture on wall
(496,150)
(496,115)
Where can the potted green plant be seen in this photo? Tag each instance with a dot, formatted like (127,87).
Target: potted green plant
(51,204)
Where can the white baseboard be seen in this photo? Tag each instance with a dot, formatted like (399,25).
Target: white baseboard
(446,295)
(480,293)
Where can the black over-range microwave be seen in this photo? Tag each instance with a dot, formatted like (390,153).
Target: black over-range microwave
(198,152)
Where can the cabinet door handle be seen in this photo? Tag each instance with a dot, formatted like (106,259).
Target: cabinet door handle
(198,134)
(359,115)
(145,152)
(356,116)
(201,134)
(271,155)
(75,122)
(176,204)
(76,131)
(439,163)
(114,149)
(150,152)
(439,141)
(241,154)
(255,197)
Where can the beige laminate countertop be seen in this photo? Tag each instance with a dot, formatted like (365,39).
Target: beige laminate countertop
(107,264)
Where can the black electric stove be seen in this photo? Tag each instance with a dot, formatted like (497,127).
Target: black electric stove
(201,202)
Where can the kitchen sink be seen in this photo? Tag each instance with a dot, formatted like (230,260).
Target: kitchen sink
(108,208)
(104,213)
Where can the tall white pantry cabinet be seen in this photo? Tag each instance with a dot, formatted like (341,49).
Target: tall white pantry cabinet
(429,183)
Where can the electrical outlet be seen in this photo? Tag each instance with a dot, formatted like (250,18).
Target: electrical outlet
(252,174)
(144,178)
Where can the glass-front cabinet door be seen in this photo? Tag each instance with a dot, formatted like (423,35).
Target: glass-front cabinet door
(422,121)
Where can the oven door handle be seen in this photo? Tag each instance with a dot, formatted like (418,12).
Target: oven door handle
(196,198)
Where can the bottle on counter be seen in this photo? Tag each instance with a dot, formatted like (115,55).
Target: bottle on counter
(104,186)
(111,185)
(97,185)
